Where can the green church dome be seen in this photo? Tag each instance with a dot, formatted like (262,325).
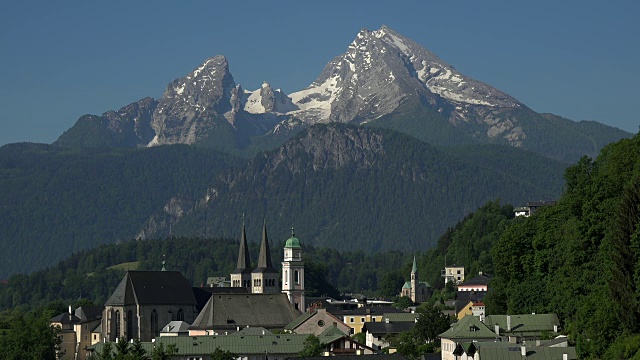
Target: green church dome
(293,242)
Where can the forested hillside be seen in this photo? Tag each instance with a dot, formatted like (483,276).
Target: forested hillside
(337,192)
(351,188)
(94,274)
(58,201)
(581,257)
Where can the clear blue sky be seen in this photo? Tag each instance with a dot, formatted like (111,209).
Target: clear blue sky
(60,60)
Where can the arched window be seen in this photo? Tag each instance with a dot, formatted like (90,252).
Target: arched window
(154,322)
(129,325)
(117,319)
(180,316)
(296,275)
(286,276)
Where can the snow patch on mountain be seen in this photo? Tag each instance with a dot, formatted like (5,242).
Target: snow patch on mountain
(253,104)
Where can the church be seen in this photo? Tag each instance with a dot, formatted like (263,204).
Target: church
(264,279)
(145,301)
(416,290)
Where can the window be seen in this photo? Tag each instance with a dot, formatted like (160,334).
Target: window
(458,271)
(321,323)
(117,319)
(296,276)
(154,321)
(129,325)
(180,316)
(286,277)
(351,320)
(361,320)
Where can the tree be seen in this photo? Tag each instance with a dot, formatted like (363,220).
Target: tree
(391,284)
(360,337)
(162,353)
(403,302)
(408,345)
(105,354)
(431,323)
(136,352)
(218,354)
(312,347)
(30,337)
(122,347)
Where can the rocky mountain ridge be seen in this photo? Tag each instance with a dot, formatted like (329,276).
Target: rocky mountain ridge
(381,74)
(334,178)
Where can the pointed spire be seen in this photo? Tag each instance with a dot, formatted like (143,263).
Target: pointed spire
(414,269)
(244,261)
(264,261)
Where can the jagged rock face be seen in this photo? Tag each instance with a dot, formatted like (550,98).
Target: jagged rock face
(128,127)
(329,147)
(382,69)
(190,104)
(383,78)
(133,119)
(267,100)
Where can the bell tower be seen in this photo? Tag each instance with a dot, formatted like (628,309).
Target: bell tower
(293,272)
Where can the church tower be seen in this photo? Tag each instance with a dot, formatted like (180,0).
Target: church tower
(264,279)
(414,280)
(293,272)
(241,276)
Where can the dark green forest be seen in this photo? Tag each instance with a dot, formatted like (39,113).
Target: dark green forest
(581,257)
(58,201)
(55,201)
(400,198)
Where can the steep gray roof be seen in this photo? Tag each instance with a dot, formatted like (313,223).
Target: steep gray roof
(152,288)
(176,327)
(264,260)
(244,261)
(382,328)
(229,311)
(89,313)
(477,280)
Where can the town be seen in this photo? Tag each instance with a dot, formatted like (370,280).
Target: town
(261,312)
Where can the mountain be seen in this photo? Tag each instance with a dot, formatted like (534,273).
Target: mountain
(54,202)
(349,188)
(383,79)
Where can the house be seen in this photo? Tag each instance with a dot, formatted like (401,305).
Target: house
(359,357)
(226,313)
(491,350)
(256,346)
(378,334)
(480,283)
(356,318)
(315,322)
(453,273)
(76,330)
(417,291)
(467,330)
(532,207)
(475,308)
(144,302)
(175,328)
(527,327)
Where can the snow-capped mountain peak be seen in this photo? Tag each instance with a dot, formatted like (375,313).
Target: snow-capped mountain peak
(378,71)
